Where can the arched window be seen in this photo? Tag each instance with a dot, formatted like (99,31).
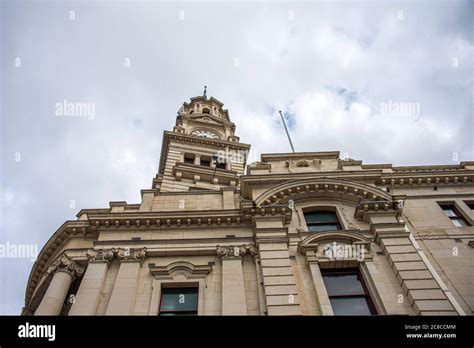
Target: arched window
(322,220)
(206,111)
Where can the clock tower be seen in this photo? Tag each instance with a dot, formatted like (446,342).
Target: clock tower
(202,152)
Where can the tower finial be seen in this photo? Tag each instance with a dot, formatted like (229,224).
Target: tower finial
(205,92)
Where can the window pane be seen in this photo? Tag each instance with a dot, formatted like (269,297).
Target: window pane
(179,299)
(323,227)
(320,216)
(181,314)
(343,283)
(458,222)
(450,212)
(350,306)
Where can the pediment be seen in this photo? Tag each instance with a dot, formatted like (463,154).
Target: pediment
(336,246)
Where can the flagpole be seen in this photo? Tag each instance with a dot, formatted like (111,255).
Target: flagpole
(287,133)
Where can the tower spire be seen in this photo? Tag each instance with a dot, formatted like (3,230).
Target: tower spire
(205,92)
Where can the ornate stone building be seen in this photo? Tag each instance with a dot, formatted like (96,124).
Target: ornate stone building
(299,234)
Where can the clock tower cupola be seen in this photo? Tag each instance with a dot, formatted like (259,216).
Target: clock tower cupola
(202,152)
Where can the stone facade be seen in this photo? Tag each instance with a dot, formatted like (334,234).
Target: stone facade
(243,239)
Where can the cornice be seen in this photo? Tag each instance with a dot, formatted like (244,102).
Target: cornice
(393,206)
(197,192)
(447,195)
(296,155)
(166,219)
(460,176)
(250,211)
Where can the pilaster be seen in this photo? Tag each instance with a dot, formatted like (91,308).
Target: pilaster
(279,283)
(88,295)
(123,293)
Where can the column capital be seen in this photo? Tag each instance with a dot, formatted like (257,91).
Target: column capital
(131,254)
(236,251)
(101,255)
(65,264)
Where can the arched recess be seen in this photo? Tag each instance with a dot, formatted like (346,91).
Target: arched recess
(340,189)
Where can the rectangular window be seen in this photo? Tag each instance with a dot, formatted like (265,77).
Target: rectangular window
(322,220)
(179,301)
(347,292)
(205,161)
(189,158)
(456,218)
(470,205)
(220,165)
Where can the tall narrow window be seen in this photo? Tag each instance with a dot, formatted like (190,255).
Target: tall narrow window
(457,219)
(322,220)
(347,292)
(179,301)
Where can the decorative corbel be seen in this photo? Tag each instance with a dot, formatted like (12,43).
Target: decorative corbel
(236,251)
(101,255)
(131,255)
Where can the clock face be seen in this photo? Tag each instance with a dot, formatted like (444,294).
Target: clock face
(205,134)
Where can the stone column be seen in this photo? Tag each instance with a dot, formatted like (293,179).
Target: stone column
(87,298)
(123,293)
(64,271)
(279,281)
(233,289)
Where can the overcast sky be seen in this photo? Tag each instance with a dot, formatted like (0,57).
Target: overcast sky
(339,71)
